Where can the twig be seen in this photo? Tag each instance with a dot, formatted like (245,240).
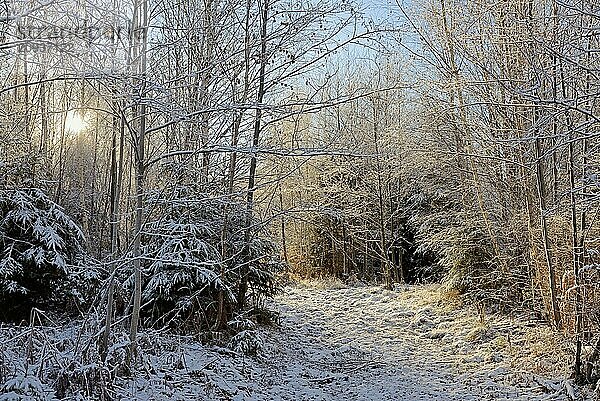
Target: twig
(329,379)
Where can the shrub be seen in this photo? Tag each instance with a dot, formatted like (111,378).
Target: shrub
(40,248)
(26,388)
(193,251)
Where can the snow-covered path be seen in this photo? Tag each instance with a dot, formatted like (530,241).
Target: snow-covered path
(371,344)
(344,344)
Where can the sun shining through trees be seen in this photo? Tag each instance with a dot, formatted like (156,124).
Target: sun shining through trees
(75,123)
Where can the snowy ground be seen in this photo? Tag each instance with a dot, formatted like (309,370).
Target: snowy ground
(365,343)
(413,344)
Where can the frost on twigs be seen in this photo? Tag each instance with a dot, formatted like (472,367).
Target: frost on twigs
(247,342)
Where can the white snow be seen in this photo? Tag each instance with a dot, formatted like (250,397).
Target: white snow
(371,344)
(363,343)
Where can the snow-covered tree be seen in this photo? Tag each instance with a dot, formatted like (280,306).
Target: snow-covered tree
(26,388)
(187,268)
(40,248)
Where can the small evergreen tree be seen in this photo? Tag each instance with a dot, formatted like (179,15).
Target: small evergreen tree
(40,246)
(192,252)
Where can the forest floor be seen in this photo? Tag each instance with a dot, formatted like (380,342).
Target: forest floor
(351,343)
(415,343)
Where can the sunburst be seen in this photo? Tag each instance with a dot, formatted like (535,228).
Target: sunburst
(75,123)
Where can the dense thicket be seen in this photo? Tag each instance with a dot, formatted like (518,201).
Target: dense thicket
(193,246)
(147,126)
(488,169)
(213,143)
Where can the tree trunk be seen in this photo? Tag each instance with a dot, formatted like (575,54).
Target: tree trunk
(381,210)
(115,168)
(244,269)
(140,38)
(542,206)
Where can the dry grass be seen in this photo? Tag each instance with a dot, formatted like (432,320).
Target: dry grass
(542,350)
(531,346)
(325,283)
